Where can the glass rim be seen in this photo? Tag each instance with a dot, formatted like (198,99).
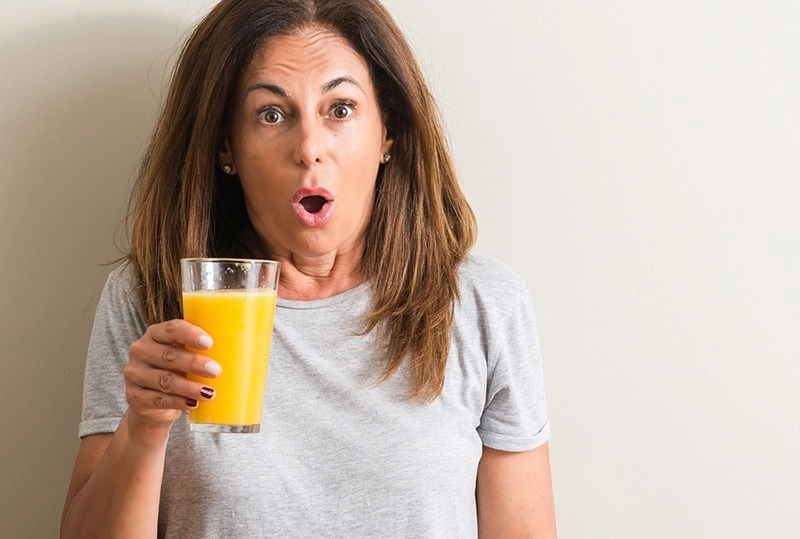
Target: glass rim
(232,260)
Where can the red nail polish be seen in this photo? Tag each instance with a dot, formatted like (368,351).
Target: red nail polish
(206,392)
(191,403)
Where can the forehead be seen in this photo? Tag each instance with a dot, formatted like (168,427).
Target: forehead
(306,55)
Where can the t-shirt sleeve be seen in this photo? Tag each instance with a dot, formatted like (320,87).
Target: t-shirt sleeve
(117,324)
(515,412)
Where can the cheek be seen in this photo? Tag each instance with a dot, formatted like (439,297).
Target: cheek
(362,174)
(363,156)
(262,195)
(363,143)
(356,192)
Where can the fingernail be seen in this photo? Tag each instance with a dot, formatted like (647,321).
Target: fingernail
(191,403)
(204,341)
(213,368)
(206,392)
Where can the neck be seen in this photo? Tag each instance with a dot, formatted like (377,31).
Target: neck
(317,277)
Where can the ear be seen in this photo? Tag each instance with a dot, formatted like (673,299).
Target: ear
(386,145)
(225,155)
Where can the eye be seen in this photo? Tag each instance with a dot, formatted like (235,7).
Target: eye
(270,115)
(342,111)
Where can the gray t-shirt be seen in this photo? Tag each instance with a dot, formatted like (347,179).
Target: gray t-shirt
(338,455)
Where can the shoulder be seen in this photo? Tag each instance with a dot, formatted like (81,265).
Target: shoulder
(118,302)
(118,320)
(493,296)
(475,261)
(485,277)
(121,276)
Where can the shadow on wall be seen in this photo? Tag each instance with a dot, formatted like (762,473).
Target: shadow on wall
(79,101)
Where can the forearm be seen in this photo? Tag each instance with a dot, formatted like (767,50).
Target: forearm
(121,496)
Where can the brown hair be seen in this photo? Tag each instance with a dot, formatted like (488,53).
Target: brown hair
(421,228)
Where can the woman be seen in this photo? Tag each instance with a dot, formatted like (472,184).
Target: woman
(404,397)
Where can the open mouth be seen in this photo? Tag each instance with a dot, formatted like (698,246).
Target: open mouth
(313,204)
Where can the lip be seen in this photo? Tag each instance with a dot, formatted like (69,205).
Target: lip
(313,220)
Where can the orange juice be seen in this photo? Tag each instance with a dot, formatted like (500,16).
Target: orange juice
(240,322)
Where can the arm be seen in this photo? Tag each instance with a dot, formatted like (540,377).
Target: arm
(515,494)
(116,483)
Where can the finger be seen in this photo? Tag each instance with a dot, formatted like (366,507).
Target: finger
(168,382)
(170,357)
(151,402)
(179,331)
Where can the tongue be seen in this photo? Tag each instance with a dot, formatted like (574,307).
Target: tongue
(313,204)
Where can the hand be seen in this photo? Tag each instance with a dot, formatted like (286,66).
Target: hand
(156,387)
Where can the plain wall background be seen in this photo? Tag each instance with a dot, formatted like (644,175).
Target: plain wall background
(636,162)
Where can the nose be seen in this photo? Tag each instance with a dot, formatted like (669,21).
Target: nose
(310,141)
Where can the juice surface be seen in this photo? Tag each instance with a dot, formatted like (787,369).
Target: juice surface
(240,322)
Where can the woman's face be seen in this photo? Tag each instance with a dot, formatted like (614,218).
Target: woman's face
(307,138)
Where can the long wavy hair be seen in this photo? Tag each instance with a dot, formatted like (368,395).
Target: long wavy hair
(421,228)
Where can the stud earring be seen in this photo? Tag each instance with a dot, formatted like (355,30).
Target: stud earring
(227,169)
(386,158)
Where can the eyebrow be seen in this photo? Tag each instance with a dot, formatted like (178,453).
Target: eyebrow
(330,85)
(327,87)
(275,89)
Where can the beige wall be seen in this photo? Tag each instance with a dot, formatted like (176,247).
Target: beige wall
(636,162)
(80,87)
